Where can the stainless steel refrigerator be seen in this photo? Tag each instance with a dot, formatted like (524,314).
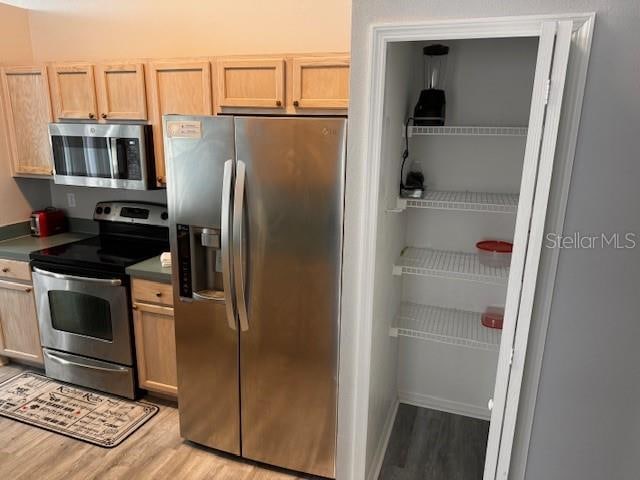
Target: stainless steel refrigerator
(256,212)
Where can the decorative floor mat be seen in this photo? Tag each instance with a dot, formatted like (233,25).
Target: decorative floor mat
(96,418)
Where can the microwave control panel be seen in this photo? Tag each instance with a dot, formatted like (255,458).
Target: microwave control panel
(130,147)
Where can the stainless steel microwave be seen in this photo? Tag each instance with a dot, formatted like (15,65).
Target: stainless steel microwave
(101,155)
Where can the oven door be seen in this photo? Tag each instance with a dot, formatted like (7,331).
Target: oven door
(96,155)
(82,315)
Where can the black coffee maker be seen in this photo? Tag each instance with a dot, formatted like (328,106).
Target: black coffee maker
(431,106)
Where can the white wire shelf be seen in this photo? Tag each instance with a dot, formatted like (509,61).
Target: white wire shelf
(445,325)
(446,264)
(470,131)
(463,201)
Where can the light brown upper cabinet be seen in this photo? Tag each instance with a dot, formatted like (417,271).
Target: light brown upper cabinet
(73,90)
(121,91)
(253,83)
(178,87)
(320,82)
(27,107)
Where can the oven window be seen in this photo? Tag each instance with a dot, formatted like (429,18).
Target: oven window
(80,313)
(81,156)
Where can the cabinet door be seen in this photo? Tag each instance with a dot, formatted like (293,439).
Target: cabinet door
(27,108)
(155,348)
(73,90)
(257,83)
(121,91)
(321,82)
(179,88)
(19,333)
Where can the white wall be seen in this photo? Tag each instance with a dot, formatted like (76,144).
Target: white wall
(95,29)
(86,198)
(18,197)
(586,421)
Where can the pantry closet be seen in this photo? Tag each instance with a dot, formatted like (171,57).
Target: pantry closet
(487,175)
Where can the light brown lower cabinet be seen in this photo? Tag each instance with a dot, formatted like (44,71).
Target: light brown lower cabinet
(155,347)
(19,332)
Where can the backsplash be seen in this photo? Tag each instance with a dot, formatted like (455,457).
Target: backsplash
(87,197)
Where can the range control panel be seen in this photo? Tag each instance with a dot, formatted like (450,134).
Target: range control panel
(132,212)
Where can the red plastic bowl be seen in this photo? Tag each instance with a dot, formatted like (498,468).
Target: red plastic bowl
(495,246)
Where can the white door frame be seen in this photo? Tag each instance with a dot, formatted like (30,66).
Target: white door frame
(352,437)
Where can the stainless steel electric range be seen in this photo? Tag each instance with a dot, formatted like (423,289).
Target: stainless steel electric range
(83,297)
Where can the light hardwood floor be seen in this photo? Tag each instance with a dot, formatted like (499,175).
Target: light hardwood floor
(155,451)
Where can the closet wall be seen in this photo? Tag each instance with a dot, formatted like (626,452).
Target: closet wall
(398,100)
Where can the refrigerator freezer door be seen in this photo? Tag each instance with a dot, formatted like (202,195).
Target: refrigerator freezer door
(197,150)
(293,208)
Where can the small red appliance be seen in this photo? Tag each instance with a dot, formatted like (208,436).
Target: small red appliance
(48,222)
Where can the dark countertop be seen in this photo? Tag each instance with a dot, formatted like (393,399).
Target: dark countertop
(150,269)
(19,248)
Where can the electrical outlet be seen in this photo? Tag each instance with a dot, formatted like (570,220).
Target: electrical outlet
(71,200)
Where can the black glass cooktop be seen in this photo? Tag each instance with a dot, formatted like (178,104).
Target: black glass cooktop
(103,252)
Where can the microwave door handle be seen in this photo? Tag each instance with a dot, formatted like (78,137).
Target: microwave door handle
(225,230)
(112,147)
(238,245)
(112,282)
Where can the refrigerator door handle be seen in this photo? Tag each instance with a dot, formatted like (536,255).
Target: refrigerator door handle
(225,229)
(238,245)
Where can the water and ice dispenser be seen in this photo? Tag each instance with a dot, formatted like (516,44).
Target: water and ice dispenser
(200,263)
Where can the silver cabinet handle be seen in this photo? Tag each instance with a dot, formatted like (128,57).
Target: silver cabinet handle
(225,228)
(112,282)
(64,361)
(238,244)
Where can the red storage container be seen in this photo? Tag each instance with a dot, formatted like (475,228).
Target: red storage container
(493,317)
(495,253)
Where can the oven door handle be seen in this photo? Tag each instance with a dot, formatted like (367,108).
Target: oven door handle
(64,361)
(112,282)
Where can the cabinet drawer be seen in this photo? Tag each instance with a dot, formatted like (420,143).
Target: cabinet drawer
(15,269)
(152,292)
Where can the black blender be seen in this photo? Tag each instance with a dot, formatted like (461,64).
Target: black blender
(430,109)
